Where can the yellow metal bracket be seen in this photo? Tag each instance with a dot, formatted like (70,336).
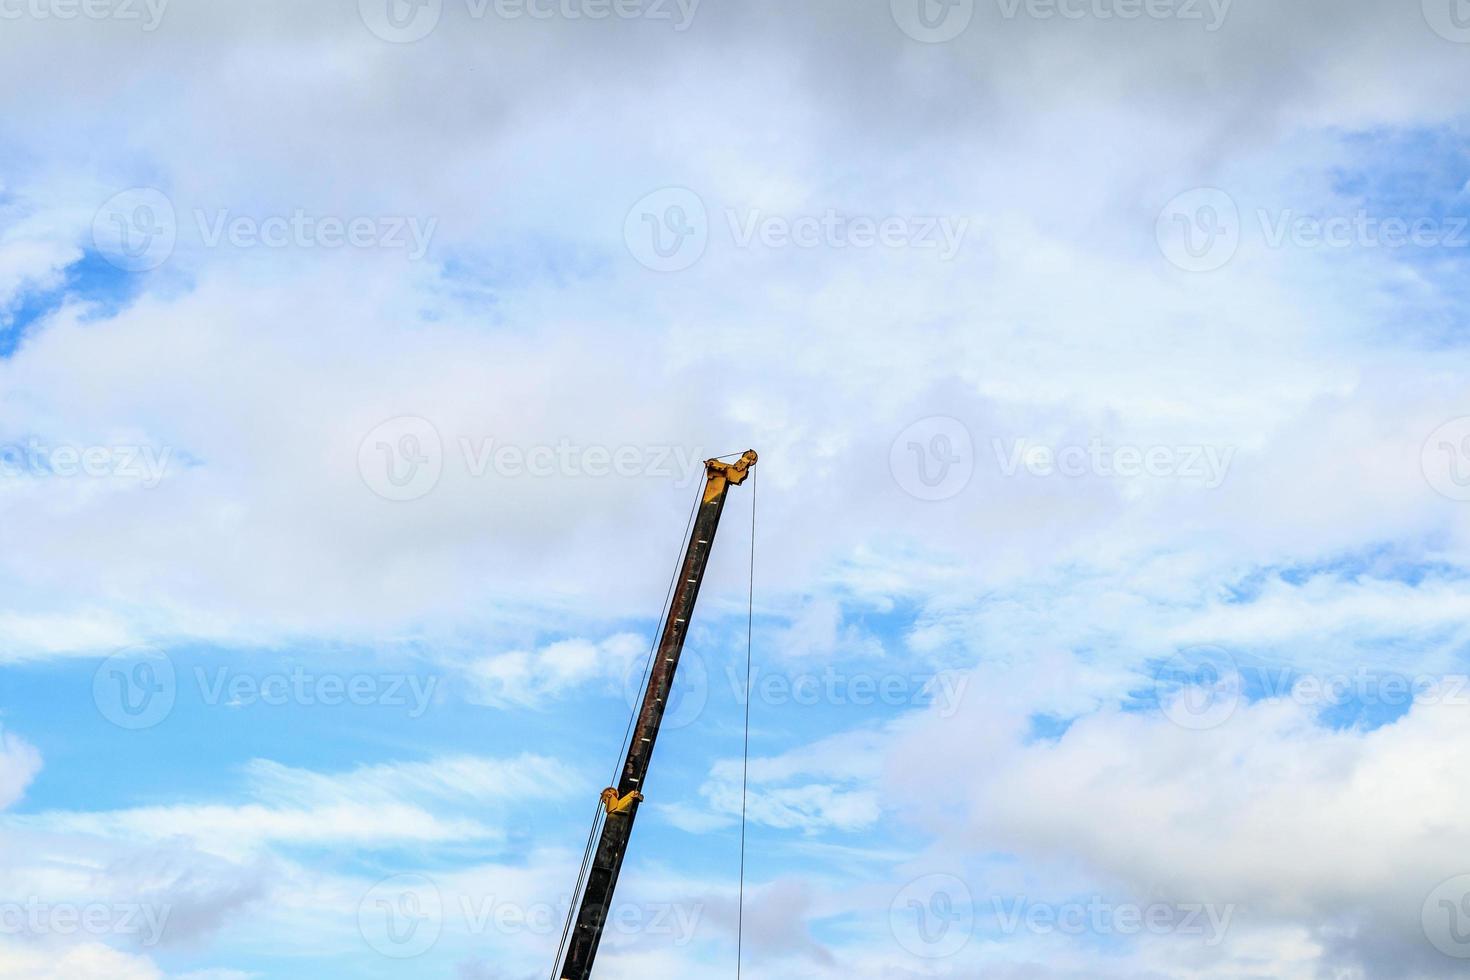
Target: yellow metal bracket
(719,476)
(619,804)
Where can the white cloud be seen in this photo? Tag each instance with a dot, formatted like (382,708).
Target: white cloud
(836,353)
(202,870)
(531,324)
(378,805)
(19,763)
(88,961)
(530,678)
(1237,814)
(23,636)
(820,787)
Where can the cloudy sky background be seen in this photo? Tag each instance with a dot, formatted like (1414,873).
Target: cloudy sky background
(1107,363)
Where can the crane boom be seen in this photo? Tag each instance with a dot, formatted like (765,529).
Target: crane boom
(621,802)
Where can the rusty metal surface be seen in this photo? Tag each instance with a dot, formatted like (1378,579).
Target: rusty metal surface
(612,846)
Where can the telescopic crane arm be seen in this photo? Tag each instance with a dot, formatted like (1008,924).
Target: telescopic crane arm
(621,802)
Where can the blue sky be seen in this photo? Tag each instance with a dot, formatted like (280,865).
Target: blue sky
(1108,373)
